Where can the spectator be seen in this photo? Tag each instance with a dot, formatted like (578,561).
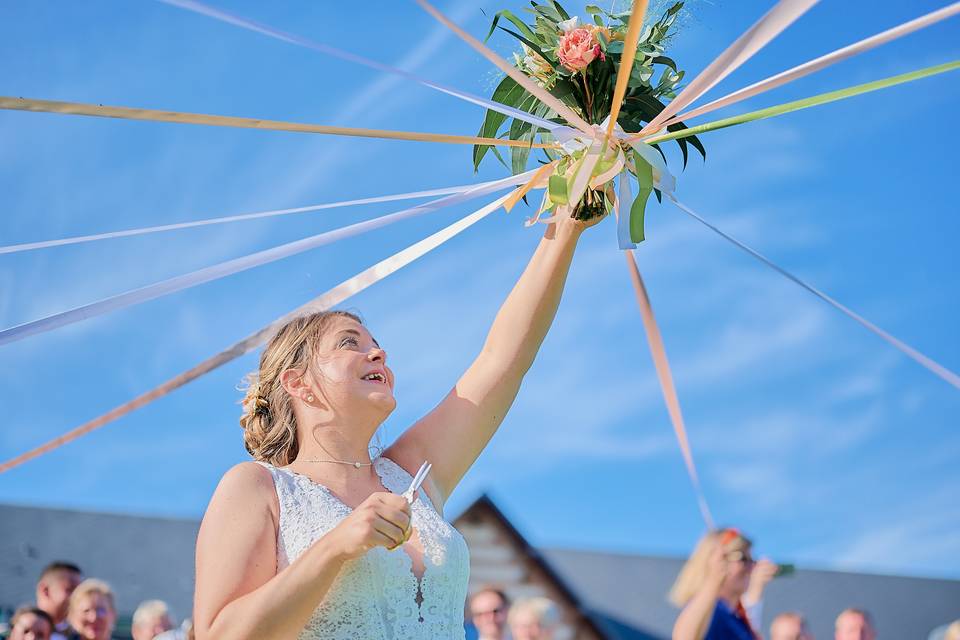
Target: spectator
(533,619)
(150,620)
(56,583)
(488,610)
(30,623)
(713,585)
(854,624)
(953,631)
(93,611)
(789,626)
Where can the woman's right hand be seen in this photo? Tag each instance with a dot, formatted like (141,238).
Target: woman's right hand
(716,566)
(382,520)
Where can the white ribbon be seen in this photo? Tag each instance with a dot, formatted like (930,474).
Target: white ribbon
(934,367)
(29,246)
(826,60)
(230,267)
(258,27)
(755,38)
(327,300)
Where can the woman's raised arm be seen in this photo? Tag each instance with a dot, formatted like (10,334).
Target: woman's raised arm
(453,434)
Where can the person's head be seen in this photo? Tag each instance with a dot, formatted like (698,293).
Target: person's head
(488,611)
(854,624)
(57,581)
(150,620)
(92,610)
(789,626)
(736,550)
(30,623)
(318,368)
(953,631)
(533,619)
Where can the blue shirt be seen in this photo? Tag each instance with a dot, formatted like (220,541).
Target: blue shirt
(725,625)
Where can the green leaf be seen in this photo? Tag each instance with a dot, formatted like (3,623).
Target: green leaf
(507,92)
(509,15)
(535,47)
(563,13)
(667,61)
(615,47)
(594,10)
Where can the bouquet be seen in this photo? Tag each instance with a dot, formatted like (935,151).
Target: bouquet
(578,63)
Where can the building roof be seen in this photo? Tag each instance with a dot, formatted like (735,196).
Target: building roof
(622,595)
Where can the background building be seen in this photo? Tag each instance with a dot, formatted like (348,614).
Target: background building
(603,595)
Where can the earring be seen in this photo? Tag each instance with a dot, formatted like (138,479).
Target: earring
(310,397)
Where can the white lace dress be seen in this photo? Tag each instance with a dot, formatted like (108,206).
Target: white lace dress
(376,596)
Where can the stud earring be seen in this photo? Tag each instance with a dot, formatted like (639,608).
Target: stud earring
(310,397)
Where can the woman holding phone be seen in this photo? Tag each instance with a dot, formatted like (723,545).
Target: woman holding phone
(720,589)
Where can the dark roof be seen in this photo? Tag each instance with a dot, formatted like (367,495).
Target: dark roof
(633,588)
(141,557)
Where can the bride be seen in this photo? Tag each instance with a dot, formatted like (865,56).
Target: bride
(314,539)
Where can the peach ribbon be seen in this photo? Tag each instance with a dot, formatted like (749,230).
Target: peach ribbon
(128,113)
(327,300)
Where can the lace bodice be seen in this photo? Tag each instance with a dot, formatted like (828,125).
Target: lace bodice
(376,596)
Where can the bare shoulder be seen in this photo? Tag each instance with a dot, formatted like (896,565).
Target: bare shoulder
(246,485)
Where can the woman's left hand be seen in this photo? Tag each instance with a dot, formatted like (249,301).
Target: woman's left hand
(763,572)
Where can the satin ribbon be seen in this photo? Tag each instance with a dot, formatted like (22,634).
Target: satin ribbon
(519,77)
(327,300)
(934,367)
(263,29)
(128,113)
(662,365)
(637,13)
(812,101)
(822,62)
(29,246)
(230,267)
(782,15)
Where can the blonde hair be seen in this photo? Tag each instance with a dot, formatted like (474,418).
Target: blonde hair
(92,586)
(268,421)
(694,572)
(149,610)
(545,610)
(952,632)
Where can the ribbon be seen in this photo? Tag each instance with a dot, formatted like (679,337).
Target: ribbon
(812,101)
(782,15)
(539,180)
(127,113)
(263,29)
(637,12)
(823,61)
(327,300)
(937,369)
(230,267)
(29,246)
(662,366)
(520,77)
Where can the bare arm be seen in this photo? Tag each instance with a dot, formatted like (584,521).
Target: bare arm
(694,621)
(239,593)
(453,435)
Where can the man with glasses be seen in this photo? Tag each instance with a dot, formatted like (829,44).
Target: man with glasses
(488,611)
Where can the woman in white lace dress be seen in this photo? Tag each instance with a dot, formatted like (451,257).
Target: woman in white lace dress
(313,539)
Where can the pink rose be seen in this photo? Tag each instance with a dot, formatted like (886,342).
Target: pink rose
(578,48)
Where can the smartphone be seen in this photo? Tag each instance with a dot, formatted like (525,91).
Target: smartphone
(785,569)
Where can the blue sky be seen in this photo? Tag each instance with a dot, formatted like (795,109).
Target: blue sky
(829,447)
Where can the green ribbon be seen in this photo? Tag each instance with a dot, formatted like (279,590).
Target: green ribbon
(644,173)
(812,101)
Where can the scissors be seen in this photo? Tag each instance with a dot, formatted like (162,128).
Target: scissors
(418,479)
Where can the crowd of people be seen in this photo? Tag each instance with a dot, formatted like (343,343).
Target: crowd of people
(71,607)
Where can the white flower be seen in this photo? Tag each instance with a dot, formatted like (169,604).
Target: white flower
(568,25)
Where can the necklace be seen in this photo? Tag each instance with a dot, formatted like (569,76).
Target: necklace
(355,464)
